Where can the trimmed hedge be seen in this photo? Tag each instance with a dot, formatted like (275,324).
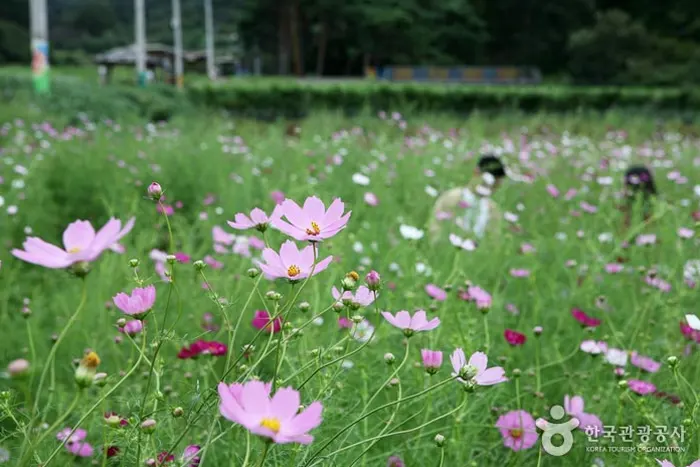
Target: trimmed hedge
(297,99)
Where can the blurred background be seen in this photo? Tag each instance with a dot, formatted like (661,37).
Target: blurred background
(601,42)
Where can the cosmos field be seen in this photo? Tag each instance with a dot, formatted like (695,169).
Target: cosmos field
(368,345)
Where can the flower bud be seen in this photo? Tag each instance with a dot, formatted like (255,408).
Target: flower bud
(18,368)
(253,273)
(113,420)
(178,412)
(134,263)
(287,326)
(516,373)
(622,384)
(373,281)
(672,361)
(348,283)
(148,426)
(537,331)
(389,358)
(199,265)
(357,319)
(100,379)
(87,369)
(439,440)
(26,312)
(338,307)
(80,269)
(304,307)
(394,382)
(121,322)
(171,259)
(155,191)
(314,352)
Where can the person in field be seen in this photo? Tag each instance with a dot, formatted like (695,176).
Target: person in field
(640,194)
(469,210)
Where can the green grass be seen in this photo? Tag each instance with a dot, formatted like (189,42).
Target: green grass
(105,173)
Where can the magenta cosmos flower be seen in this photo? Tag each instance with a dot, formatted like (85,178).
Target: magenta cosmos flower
(202,347)
(410,324)
(518,430)
(641,387)
(139,303)
(291,263)
(432,360)
(474,372)
(435,292)
(312,222)
(262,320)
(514,337)
(81,244)
(581,316)
(258,220)
(277,417)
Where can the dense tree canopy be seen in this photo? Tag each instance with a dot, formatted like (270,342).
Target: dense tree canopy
(593,41)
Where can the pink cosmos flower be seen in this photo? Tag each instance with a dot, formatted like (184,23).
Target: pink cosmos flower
(514,337)
(262,319)
(213,262)
(81,244)
(344,323)
(587,422)
(641,387)
(435,292)
(668,464)
(589,208)
(658,283)
(685,232)
(132,327)
(474,371)
(258,220)
(593,347)
(139,303)
(371,199)
(614,268)
(291,263)
(646,239)
(410,324)
(519,273)
(312,222)
(527,248)
(76,444)
(395,461)
(432,360)
(479,296)
(362,297)
(518,430)
(190,455)
(553,191)
(78,435)
(571,192)
(277,417)
(221,236)
(645,363)
(581,316)
(277,196)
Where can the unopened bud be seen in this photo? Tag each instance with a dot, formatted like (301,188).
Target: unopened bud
(148,426)
(178,412)
(304,307)
(171,259)
(439,440)
(314,352)
(287,326)
(672,361)
(155,191)
(622,384)
(338,307)
(121,322)
(537,331)
(357,319)
(253,273)
(348,283)
(100,379)
(199,265)
(113,420)
(18,368)
(134,263)
(373,281)
(516,373)
(271,295)
(394,382)
(389,358)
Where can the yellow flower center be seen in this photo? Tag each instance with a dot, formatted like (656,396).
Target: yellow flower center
(517,433)
(314,230)
(75,249)
(91,360)
(293,270)
(271,424)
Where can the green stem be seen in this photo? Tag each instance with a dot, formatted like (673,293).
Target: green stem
(266,448)
(442,457)
(232,337)
(97,404)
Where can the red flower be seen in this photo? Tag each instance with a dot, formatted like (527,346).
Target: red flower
(112,451)
(201,347)
(581,316)
(514,337)
(164,458)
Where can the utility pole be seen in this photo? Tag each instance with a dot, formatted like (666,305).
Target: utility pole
(209,33)
(177,42)
(40,46)
(140,31)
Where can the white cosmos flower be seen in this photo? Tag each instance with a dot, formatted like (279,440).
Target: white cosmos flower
(510,217)
(693,322)
(691,270)
(360,179)
(430,191)
(410,233)
(605,237)
(464,244)
(616,357)
(696,189)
